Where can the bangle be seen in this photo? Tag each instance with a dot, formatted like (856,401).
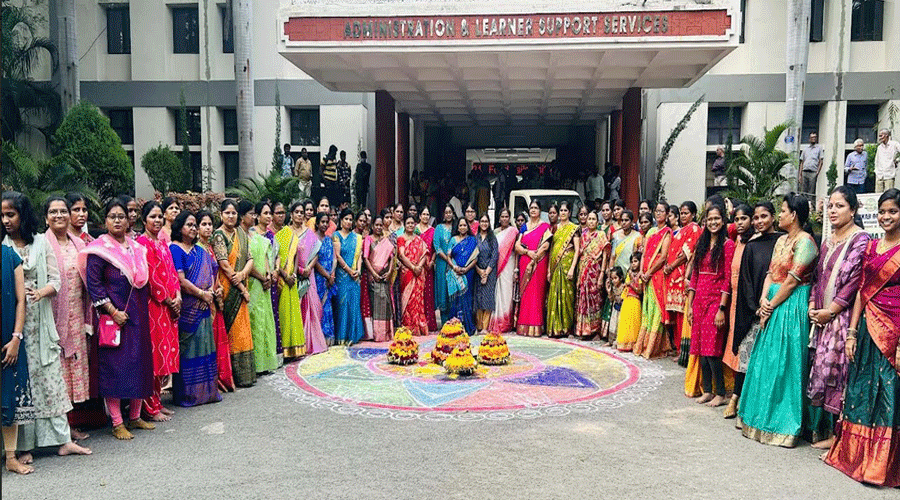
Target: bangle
(854,330)
(18,335)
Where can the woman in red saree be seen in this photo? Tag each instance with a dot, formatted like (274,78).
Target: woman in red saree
(426,232)
(164,307)
(652,340)
(533,248)
(591,269)
(680,251)
(868,444)
(378,253)
(412,253)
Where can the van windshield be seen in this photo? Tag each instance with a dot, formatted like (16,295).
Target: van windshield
(574,202)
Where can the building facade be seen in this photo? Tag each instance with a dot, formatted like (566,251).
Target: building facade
(140,58)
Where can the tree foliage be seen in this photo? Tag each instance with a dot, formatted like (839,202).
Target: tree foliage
(272,187)
(754,173)
(165,169)
(86,139)
(39,179)
(22,97)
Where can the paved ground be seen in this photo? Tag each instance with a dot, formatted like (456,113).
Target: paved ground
(259,444)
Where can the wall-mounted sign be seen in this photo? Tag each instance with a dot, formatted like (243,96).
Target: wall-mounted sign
(688,23)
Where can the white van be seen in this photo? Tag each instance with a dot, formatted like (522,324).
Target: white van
(520,199)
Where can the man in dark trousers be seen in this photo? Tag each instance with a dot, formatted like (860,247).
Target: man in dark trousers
(361,180)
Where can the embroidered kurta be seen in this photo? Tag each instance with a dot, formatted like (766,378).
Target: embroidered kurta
(163,285)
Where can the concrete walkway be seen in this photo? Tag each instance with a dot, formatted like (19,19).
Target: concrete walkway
(259,444)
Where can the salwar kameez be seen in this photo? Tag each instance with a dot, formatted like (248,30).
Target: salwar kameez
(163,327)
(236,314)
(71,312)
(196,381)
(49,393)
(868,443)
(771,403)
(561,293)
(16,395)
(484,294)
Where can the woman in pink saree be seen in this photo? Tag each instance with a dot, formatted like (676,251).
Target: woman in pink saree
(310,305)
(532,248)
(502,320)
(378,252)
(412,253)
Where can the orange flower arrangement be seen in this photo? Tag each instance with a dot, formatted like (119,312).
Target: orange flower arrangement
(493,350)
(403,350)
(452,334)
(460,361)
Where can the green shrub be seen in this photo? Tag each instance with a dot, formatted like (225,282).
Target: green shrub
(85,138)
(165,169)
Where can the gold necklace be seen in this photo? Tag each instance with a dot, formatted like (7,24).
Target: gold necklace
(882,245)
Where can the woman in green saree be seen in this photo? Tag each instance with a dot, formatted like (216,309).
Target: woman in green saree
(564,253)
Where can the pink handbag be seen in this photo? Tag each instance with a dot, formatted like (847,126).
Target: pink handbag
(109,333)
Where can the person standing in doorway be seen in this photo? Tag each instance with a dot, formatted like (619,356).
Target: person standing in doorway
(855,167)
(343,172)
(718,167)
(811,160)
(303,171)
(361,179)
(287,162)
(886,156)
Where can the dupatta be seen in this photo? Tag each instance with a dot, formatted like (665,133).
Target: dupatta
(61,301)
(463,253)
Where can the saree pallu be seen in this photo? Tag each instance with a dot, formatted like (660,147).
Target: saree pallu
(235,312)
(412,287)
(293,341)
(629,324)
(771,403)
(428,237)
(379,292)
(653,341)
(349,327)
(196,382)
(504,294)
(730,358)
(220,335)
(532,283)
(561,296)
(588,314)
(441,244)
(459,287)
(310,305)
(276,292)
(262,319)
(624,248)
(365,304)
(868,444)
(326,292)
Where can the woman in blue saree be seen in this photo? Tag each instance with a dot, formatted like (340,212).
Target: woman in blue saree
(348,253)
(442,234)
(463,256)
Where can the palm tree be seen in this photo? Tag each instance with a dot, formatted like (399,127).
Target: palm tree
(272,187)
(755,173)
(39,179)
(21,95)
(242,25)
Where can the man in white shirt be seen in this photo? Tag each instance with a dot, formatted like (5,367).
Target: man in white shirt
(596,188)
(886,161)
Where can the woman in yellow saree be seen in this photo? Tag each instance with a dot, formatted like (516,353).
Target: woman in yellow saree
(564,252)
(293,340)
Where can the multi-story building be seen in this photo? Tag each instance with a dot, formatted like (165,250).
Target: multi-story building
(612,91)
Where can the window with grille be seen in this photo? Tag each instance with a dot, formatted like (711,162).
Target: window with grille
(122,121)
(305,127)
(118,30)
(185,30)
(193,126)
(867,21)
(231,162)
(722,122)
(229,126)
(862,119)
(811,114)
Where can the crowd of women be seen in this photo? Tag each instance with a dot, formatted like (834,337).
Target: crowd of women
(803,336)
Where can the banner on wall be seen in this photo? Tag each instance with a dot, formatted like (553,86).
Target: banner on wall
(868,212)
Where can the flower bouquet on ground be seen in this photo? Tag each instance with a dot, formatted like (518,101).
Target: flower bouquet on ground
(460,362)
(403,350)
(452,335)
(493,350)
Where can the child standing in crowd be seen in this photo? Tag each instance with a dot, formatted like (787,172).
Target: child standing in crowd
(630,314)
(615,288)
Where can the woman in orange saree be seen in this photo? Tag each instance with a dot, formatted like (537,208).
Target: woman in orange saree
(412,253)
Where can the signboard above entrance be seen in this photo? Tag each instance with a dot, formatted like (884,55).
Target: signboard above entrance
(691,24)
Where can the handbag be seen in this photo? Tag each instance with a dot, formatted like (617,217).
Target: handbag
(109,333)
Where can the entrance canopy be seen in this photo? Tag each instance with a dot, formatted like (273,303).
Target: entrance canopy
(466,62)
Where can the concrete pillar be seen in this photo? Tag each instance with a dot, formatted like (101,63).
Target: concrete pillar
(385,143)
(631,147)
(615,138)
(403,158)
